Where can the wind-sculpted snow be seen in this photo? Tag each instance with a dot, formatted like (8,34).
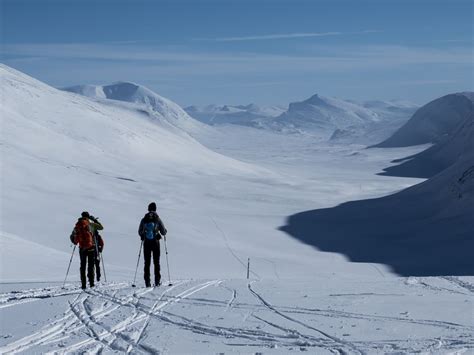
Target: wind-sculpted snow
(434,121)
(209,316)
(156,105)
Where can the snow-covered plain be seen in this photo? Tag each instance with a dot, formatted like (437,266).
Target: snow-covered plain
(223,194)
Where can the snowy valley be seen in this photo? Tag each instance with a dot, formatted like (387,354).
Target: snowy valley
(349,252)
(323,118)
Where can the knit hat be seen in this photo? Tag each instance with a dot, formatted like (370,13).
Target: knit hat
(152,207)
(85,214)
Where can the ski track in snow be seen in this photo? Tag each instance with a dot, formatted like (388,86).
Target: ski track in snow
(113,338)
(338,342)
(117,318)
(231,251)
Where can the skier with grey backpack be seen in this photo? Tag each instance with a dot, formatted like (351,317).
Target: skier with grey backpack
(151,230)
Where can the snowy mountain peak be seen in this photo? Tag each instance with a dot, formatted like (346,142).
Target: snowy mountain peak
(316,99)
(435,120)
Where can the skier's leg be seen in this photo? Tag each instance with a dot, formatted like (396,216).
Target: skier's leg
(97,264)
(156,262)
(90,266)
(147,258)
(83,256)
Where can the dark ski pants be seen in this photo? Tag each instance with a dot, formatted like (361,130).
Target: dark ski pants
(87,260)
(97,264)
(149,247)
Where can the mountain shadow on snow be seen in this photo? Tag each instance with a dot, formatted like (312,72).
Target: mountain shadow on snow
(425,230)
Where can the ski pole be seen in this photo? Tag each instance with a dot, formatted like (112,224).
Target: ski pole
(69,266)
(167,263)
(138,261)
(103,266)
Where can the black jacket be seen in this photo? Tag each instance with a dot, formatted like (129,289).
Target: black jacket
(159,226)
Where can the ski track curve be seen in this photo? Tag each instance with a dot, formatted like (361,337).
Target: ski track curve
(338,342)
(255,336)
(88,324)
(115,331)
(56,331)
(16,298)
(142,314)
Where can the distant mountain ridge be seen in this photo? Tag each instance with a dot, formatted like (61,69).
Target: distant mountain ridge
(324,113)
(323,117)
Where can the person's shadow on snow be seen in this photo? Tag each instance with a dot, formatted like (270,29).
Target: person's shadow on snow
(392,230)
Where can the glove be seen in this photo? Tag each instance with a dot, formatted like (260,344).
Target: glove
(142,238)
(100,249)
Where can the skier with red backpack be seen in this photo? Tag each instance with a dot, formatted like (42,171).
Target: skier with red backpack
(150,231)
(83,235)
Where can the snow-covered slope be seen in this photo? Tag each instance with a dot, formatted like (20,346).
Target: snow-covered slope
(245,115)
(63,153)
(432,122)
(446,152)
(343,120)
(156,105)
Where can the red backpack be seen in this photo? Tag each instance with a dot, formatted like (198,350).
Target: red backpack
(83,236)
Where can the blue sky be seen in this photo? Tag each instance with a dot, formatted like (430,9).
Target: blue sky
(268,52)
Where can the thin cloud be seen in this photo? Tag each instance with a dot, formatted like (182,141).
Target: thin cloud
(428,82)
(170,61)
(284,36)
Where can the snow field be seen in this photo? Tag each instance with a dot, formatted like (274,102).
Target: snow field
(202,316)
(222,192)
